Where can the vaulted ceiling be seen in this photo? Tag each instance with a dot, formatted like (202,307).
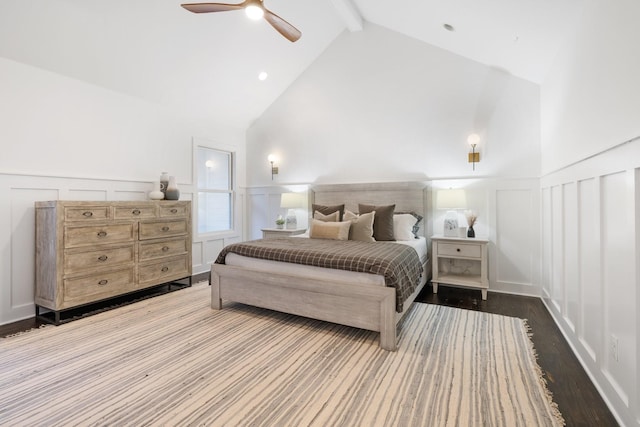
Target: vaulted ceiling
(208,64)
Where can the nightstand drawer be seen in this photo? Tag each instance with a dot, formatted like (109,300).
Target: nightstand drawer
(463,250)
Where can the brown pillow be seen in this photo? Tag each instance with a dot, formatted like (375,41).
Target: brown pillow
(326,210)
(383,221)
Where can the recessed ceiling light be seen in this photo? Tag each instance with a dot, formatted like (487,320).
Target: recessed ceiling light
(262,76)
(448,27)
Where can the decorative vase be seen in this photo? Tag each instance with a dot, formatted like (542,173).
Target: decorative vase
(164,181)
(470,232)
(156,194)
(172,192)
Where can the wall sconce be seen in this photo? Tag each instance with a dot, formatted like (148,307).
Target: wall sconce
(274,169)
(474,157)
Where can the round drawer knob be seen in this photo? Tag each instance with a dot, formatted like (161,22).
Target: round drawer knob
(174,210)
(165,269)
(102,258)
(136,212)
(102,234)
(88,214)
(458,249)
(165,248)
(165,228)
(103,282)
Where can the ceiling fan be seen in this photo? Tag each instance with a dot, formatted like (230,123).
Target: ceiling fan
(254,9)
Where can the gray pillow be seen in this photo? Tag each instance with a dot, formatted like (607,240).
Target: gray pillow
(361,226)
(382,222)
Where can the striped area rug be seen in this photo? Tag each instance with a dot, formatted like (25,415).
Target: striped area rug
(173,361)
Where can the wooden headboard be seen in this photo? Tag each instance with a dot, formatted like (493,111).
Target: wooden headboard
(407,196)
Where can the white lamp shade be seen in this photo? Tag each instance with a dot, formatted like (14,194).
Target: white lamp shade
(293,200)
(451,199)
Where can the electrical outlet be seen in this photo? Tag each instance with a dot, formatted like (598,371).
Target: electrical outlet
(614,348)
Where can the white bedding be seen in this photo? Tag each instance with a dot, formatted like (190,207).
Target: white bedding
(419,244)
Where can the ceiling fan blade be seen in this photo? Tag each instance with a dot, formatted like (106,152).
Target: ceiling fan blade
(211,7)
(282,26)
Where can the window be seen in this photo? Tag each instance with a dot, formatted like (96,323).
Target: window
(214,170)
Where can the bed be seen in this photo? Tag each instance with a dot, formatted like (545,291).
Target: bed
(357,299)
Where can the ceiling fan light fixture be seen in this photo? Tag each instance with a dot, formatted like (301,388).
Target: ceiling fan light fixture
(254,12)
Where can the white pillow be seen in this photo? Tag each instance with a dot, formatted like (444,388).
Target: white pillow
(403,226)
(361,226)
(330,230)
(332,217)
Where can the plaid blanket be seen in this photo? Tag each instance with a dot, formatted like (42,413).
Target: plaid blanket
(399,264)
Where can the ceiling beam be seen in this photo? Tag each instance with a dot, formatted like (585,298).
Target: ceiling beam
(349,14)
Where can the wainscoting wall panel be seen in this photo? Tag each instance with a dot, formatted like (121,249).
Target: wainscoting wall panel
(516,213)
(17,229)
(591,269)
(590,330)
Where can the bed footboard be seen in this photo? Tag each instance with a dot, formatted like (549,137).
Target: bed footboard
(360,306)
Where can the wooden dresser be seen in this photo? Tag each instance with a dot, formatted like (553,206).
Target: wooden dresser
(90,251)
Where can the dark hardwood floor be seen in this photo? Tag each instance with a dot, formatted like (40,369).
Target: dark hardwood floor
(577,398)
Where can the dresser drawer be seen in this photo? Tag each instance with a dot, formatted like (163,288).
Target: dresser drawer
(89,213)
(165,270)
(98,286)
(156,229)
(164,248)
(104,258)
(462,250)
(134,212)
(173,211)
(98,234)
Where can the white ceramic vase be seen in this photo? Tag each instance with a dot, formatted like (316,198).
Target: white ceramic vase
(156,194)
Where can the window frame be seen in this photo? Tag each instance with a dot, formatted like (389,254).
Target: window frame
(232,191)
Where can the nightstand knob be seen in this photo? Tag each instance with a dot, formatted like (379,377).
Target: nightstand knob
(458,249)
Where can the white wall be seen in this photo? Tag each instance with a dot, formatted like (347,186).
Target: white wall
(590,104)
(381,106)
(65,139)
(378,106)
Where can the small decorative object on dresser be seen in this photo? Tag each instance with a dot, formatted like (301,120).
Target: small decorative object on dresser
(164,181)
(280,222)
(156,193)
(91,251)
(460,262)
(172,192)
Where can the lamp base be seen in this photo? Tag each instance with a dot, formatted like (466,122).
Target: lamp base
(291,220)
(451,224)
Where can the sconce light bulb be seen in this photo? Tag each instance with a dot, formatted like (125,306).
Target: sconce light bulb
(473,139)
(271,158)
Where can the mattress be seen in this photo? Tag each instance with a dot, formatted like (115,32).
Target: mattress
(419,245)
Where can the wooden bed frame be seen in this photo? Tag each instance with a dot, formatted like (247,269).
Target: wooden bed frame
(362,306)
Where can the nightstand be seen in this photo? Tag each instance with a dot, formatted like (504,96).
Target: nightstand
(460,262)
(271,233)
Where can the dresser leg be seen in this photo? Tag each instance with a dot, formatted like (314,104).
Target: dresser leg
(435,287)
(484,294)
